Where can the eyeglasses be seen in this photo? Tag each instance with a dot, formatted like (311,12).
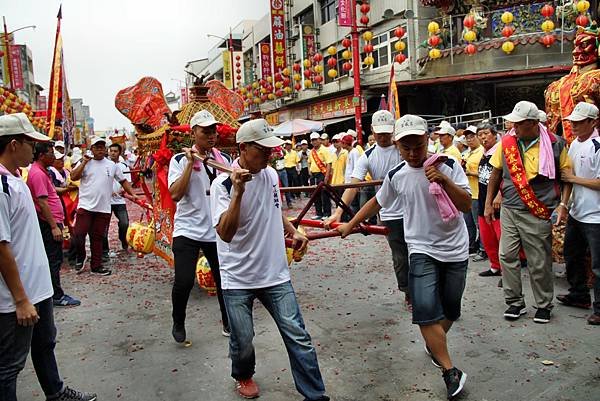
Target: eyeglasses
(29,142)
(262,149)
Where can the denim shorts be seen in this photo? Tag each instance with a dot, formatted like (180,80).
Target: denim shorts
(436,288)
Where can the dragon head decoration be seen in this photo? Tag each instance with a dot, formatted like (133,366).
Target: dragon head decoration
(585,51)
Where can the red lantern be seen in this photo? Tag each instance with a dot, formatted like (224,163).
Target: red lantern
(238,71)
(365,8)
(548,40)
(297,86)
(582,20)
(279,93)
(278,77)
(318,78)
(263,98)
(368,48)
(434,40)
(400,58)
(347,66)
(507,31)
(237,57)
(286,81)
(364,20)
(346,43)
(547,11)
(238,65)
(332,62)
(470,49)
(296,67)
(318,58)
(306,73)
(399,32)
(469,21)
(238,77)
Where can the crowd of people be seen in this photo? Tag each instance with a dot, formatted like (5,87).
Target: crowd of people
(448,193)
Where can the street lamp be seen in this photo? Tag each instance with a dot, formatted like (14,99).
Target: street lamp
(208,35)
(7,47)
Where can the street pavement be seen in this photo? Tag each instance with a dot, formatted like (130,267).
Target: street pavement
(118,342)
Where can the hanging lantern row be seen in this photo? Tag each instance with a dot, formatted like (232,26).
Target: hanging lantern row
(368,49)
(582,19)
(347,54)
(364,10)
(507,18)
(400,45)
(548,25)
(434,40)
(332,62)
(10,103)
(470,35)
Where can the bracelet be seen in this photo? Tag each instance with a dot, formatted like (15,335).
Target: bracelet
(563,205)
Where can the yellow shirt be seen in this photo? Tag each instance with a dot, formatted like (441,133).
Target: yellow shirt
(325,156)
(339,167)
(531,162)
(473,158)
(452,151)
(291,159)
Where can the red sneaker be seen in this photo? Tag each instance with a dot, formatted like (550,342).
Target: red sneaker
(247,388)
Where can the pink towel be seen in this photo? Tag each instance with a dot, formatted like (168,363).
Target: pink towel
(546,162)
(447,209)
(215,154)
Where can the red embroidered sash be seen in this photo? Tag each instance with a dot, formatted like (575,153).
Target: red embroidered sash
(319,162)
(519,178)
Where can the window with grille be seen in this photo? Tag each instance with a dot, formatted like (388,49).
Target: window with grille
(328,10)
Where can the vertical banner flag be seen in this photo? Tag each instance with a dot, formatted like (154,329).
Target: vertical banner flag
(278,35)
(345,13)
(42,103)
(394,105)
(16,67)
(54,114)
(227,72)
(309,46)
(184,96)
(265,60)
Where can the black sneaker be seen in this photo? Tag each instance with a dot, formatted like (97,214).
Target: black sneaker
(500,284)
(490,273)
(102,271)
(515,312)
(226,331)
(433,360)
(79,266)
(68,394)
(178,332)
(455,381)
(542,315)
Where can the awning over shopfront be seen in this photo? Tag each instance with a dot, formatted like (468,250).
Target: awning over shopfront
(332,121)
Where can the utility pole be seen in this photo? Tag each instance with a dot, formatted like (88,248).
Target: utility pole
(356,67)
(8,62)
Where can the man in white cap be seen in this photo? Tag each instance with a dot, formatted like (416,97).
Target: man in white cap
(446,134)
(528,162)
(189,184)
(93,213)
(583,224)
(325,142)
(378,161)
(471,161)
(291,161)
(60,147)
(283,177)
(319,166)
(303,153)
(246,212)
(438,250)
(26,311)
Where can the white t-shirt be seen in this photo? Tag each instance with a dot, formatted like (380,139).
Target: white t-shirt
(378,161)
(424,230)
(255,257)
(192,216)
(20,228)
(96,188)
(586,163)
(353,156)
(116,198)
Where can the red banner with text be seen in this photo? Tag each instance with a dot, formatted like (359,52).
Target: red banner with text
(345,13)
(278,35)
(265,60)
(16,67)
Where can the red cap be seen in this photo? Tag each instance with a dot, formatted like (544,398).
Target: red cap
(348,139)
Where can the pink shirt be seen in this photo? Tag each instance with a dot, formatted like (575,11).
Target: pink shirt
(40,185)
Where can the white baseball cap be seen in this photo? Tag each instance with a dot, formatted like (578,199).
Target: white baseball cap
(582,111)
(471,129)
(523,110)
(203,118)
(303,142)
(258,131)
(58,155)
(19,124)
(59,144)
(352,132)
(543,117)
(336,137)
(382,122)
(315,135)
(96,140)
(445,128)
(324,136)
(409,124)
(287,142)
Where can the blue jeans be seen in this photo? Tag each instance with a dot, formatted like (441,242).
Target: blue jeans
(283,178)
(15,342)
(436,288)
(280,301)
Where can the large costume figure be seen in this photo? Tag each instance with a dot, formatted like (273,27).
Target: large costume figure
(582,84)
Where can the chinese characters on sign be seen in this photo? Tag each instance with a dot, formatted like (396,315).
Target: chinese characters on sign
(278,35)
(265,60)
(309,47)
(338,107)
(184,96)
(227,78)
(16,67)
(345,13)
(42,103)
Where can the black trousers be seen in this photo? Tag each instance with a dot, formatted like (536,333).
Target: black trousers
(185,252)
(120,212)
(54,253)
(323,202)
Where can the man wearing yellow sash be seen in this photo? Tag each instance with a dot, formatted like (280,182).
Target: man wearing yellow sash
(528,162)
